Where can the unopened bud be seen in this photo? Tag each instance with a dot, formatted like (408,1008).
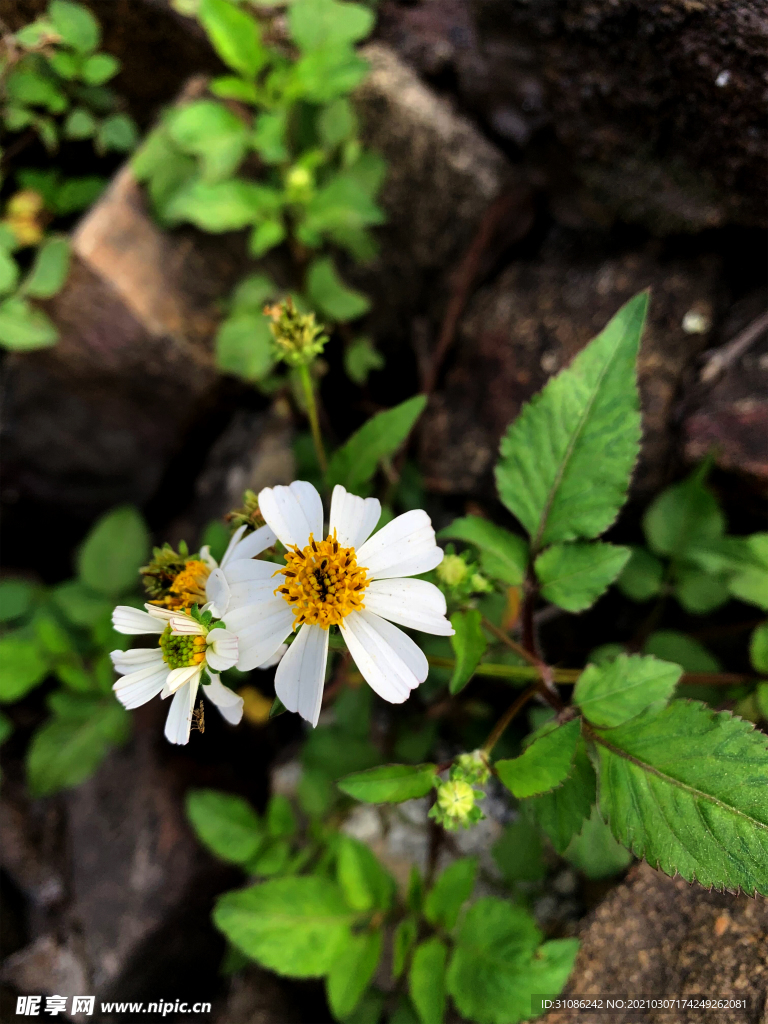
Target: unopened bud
(298,338)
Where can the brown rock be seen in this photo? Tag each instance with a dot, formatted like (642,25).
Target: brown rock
(258,997)
(657,937)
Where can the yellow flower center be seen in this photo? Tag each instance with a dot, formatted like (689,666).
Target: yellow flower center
(181,651)
(323,583)
(188,588)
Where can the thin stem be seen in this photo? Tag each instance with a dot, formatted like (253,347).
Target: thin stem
(512,644)
(509,714)
(309,396)
(547,685)
(522,672)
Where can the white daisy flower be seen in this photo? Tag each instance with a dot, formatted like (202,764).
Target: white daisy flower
(224,588)
(186,647)
(346,580)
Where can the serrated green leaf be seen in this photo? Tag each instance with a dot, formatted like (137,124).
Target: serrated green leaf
(642,576)
(543,765)
(519,853)
(75,24)
(15,599)
(23,664)
(669,645)
(355,462)
(469,644)
(111,555)
(758,648)
(99,68)
(234,34)
(23,328)
(225,823)
(360,359)
(685,787)
(683,516)
(389,783)
(426,980)
(222,205)
(562,813)
(330,295)
(351,972)
(294,926)
(504,554)
(50,269)
(611,694)
(322,24)
(595,852)
(244,346)
(573,576)
(402,943)
(567,459)
(450,892)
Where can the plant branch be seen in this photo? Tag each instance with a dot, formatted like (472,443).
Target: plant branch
(309,396)
(511,712)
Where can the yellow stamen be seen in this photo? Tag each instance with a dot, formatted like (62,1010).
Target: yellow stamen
(188,588)
(323,583)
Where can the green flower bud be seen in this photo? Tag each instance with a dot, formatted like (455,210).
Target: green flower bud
(452,570)
(456,799)
(298,339)
(472,768)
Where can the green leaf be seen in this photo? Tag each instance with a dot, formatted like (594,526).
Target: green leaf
(80,124)
(78,193)
(352,971)
(595,852)
(9,272)
(333,751)
(294,926)
(573,576)
(567,459)
(244,346)
(341,206)
(323,24)
(330,295)
(75,24)
(761,697)
(487,973)
(266,236)
(683,516)
(271,859)
(750,584)
(50,269)
(543,765)
(222,205)
(336,122)
(23,328)
(613,693)
(70,747)
(281,821)
(642,576)
(758,646)
(52,637)
(426,980)
(700,592)
(231,87)
(405,935)
(65,63)
(225,823)
(685,787)
(252,292)
(117,132)
(99,68)
(15,599)
(469,644)
(234,35)
(360,359)
(355,462)
(389,783)
(210,131)
(32,35)
(669,645)
(81,605)
(519,853)
(504,555)
(6,728)
(561,813)
(450,892)
(22,666)
(112,553)
(366,884)
(28,88)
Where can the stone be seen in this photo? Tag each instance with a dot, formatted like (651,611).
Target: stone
(47,967)
(659,937)
(258,997)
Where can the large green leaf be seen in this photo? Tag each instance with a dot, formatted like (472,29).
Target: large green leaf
(469,644)
(682,517)
(320,24)
(504,555)
(562,813)
(567,459)
(355,462)
(352,971)
(294,926)
(426,980)
(23,664)
(545,763)
(687,788)
(610,694)
(111,555)
(390,783)
(573,576)
(234,34)
(365,883)
(330,295)
(450,892)
(225,823)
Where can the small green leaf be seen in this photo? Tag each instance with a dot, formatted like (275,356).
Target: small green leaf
(567,459)
(22,666)
(562,813)
(685,787)
(354,464)
(268,138)
(99,68)
(212,132)
(642,576)
(366,884)
(519,853)
(595,852)
(330,295)
(683,516)
(50,269)
(611,694)
(75,24)
(225,823)
(234,34)
(81,605)
(34,34)
(252,292)
(450,892)
(504,555)
(78,193)
(426,980)
(80,124)
(324,24)
(402,943)
(543,765)
(573,576)
(294,926)
(352,971)
(750,584)
(9,272)
(360,359)
(389,783)
(53,638)
(266,236)
(222,205)
(281,821)
(65,63)
(669,645)
(271,859)
(117,132)
(112,553)
(23,328)
(469,644)
(231,87)
(761,697)
(28,88)
(15,599)
(336,122)
(758,647)
(699,592)
(244,346)
(341,206)
(6,728)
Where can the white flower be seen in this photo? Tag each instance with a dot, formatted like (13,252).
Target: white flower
(227,587)
(345,580)
(186,647)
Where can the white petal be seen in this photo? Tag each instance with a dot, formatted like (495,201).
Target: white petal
(222,650)
(353,518)
(250,546)
(136,688)
(207,558)
(390,662)
(404,547)
(247,570)
(139,657)
(227,701)
(179,719)
(301,674)
(260,630)
(131,620)
(234,540)
(412,603)
(293,512)
(160,613)
(178,677)
(258,592)
(185,625)
(275,659)
(217,592)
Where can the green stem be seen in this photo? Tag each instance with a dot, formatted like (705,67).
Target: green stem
(309,397)
(510,713)
(522,672)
